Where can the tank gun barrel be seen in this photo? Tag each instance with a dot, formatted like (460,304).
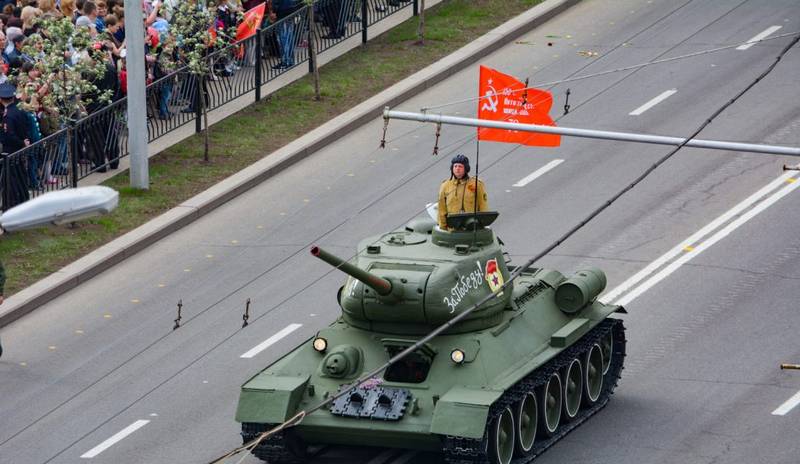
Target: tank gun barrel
(790,366)
(379,284)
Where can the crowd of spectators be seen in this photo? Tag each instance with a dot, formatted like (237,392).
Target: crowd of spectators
(23,84)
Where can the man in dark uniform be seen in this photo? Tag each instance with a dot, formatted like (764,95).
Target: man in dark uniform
(14,136)
(16,125)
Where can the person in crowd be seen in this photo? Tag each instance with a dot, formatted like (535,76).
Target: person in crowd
(458,193)
(4,60)
(100,21)
(29,18)
(14,136)
(49,9)
(119,34)
(16,128)
(89,18)
(166,63)
(333,17)
(98,131)
(68,8)
(286,31)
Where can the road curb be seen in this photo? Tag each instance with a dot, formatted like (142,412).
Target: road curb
(198,206)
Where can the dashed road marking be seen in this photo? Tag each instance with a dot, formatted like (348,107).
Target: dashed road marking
(655,101)
(760,36)
(787,406)
(114,439)
(530,177)
(271,340)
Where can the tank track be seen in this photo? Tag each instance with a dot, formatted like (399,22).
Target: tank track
(458,450)
(273,449)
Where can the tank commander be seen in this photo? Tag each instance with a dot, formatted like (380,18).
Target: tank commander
(457,194)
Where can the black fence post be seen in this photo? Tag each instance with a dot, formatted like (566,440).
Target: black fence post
(72,134)
(6,181)
(198,115)
(258,64)
(311,25)
(364,21)
(416,7)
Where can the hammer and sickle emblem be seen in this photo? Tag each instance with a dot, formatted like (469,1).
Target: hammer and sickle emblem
(490,103)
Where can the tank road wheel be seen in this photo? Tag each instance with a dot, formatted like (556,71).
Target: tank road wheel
(550,399)
(573,389)
(526,417)
(607,347)
(501,438)
(593,375)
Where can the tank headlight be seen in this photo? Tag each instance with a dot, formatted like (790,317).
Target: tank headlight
(457,356)
(320,344)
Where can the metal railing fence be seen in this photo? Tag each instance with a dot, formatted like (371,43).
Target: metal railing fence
(98,141)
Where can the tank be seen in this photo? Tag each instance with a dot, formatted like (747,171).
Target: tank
(500,385)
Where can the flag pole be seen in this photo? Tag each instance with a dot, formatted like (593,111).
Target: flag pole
(477,170)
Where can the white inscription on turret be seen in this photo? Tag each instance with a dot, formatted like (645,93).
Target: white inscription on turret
(464,285)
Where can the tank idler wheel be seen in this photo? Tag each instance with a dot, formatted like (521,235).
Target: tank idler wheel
(526,418)
(501,438)
(573,389)
(593,375)
(550,400)
(607,347)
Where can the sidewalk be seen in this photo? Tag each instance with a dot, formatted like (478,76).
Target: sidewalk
(129,244)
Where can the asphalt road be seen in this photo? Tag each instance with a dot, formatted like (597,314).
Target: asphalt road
(707,329)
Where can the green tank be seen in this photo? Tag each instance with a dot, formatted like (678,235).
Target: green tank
(501,385)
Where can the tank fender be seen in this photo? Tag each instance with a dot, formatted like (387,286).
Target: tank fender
(462,412)
(270,398)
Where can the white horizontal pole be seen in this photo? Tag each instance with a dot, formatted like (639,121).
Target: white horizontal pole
(592,134)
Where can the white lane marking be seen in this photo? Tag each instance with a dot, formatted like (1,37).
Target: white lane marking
(530,177)
(762,35)
(266,343)
(383,457)
(722,233)
(678,249)
(114,439)
(787,406)
(655,101)
(405,458)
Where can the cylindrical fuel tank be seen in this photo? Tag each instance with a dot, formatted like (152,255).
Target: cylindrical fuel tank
(580,289)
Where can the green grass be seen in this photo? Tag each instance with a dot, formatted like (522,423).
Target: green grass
(179,173)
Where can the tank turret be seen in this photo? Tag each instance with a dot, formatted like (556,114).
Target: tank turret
(411,280)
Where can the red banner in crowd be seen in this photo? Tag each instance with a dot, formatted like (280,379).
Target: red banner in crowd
(504,98)
(250,22)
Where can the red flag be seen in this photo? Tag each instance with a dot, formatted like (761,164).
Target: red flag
(504,98)
(250,22)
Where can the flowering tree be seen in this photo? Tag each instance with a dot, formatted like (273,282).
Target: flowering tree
(62,67)
(67,64)
(198,36)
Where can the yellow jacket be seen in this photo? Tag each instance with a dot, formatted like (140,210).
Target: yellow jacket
(458,196)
